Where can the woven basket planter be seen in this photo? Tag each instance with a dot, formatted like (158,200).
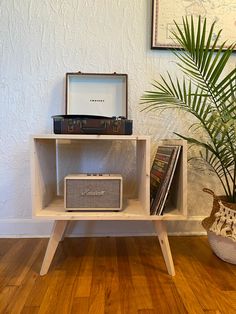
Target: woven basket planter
(223,247)
(221,228)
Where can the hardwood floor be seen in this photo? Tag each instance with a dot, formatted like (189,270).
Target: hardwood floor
(115,275)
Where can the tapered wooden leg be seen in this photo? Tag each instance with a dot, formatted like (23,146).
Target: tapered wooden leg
(64,232)
(165,247)
(56,236)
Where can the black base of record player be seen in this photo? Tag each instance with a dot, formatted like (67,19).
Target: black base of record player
(85,124)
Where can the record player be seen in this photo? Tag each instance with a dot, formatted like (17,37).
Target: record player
(95,104)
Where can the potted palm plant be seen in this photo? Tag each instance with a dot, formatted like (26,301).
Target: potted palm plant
(208,93)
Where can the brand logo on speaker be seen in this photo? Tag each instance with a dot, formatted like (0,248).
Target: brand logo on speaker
(88,192)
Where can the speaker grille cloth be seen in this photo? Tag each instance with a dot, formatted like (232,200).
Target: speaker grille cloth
(80,193)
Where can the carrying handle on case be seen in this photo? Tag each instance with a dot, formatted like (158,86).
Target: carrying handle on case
(93,129)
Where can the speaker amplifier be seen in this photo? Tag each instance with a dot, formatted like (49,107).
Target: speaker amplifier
(93,192)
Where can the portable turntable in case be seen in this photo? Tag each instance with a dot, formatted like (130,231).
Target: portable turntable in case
(95,104)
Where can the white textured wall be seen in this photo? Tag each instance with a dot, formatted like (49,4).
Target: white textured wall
(42,40)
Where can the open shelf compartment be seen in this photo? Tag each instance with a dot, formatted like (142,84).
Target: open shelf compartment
(55,156)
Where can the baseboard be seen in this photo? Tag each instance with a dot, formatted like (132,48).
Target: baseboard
(32,228)
(11,228)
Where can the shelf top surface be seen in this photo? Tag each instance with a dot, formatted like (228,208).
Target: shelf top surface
(91,136)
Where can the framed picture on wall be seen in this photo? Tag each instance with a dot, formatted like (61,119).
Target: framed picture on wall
(164,13)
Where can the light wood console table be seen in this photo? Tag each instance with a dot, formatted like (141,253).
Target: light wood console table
(54,156)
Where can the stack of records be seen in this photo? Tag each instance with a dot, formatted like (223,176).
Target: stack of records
(162,172)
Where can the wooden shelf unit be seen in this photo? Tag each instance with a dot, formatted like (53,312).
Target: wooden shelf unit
(55,156)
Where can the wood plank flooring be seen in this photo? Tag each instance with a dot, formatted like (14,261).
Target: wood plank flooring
(115,275)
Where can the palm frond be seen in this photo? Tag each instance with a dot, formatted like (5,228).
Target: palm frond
(207,93)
